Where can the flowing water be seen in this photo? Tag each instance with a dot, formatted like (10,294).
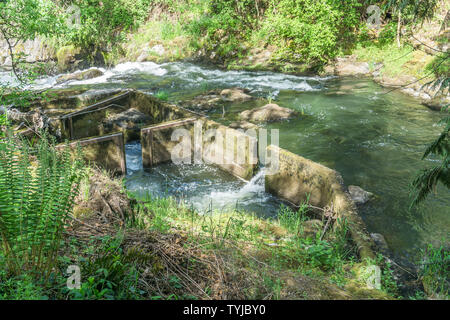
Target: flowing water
(206,188)
(375,140)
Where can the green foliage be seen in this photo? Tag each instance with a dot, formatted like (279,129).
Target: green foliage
(440,67)
(415,10)
(22,20)
(427,179)
(292,220)
(21,287)
(387,34)
(108,274)
(435,270)
(224,25)
(306,31)
(36,198)
(311,31)
(162,95)
(104,22)
(3,124)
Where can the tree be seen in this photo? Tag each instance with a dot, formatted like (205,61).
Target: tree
(21,20)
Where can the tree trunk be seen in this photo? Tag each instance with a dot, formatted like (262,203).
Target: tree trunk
(399,27)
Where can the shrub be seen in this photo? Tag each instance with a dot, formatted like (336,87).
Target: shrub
(104,22)
(311,31)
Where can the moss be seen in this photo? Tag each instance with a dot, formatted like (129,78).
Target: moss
(65,56)
(360,291)
(82,212)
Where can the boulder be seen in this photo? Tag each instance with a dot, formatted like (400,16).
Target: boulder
(436,103)
(235,94)
(158,49)
(67,56)
(380,241)
(205,102)
(245,125)
(359,195)
(348,67)
(269,112)
(80,75)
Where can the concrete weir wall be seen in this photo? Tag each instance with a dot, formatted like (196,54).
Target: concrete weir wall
(299,179)
(86,122)
(240,150)
(158,145)
(296,179)
(107,151)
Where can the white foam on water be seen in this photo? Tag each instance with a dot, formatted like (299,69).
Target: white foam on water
(187,75)
(253,191)
(143,67)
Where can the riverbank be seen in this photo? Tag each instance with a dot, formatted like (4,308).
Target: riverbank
(159,249)
(180,254)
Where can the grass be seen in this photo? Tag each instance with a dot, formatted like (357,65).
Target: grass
(267,247)
(165,250)
(162,95)
(396,61)
(435,271)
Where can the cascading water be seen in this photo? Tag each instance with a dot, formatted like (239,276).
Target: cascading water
(204,187)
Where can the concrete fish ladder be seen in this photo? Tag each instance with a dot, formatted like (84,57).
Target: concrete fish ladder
(298,179)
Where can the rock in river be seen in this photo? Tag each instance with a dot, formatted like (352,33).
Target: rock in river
(80,75)
(380,241)
(235,94)
(245,125)
(269,112)
(359,195)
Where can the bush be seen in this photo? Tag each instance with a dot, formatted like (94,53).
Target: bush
(311,31)
(105,22)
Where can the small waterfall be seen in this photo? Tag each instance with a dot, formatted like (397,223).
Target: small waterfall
(256,184)
(251,193)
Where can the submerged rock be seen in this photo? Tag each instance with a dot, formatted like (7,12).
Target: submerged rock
(235,94)
(359,195)
(243,125)
(380,241)
(269,112)
(81,75)
(348,67)
(436,103)
(205,102)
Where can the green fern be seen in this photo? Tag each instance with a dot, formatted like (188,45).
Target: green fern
(37,190)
